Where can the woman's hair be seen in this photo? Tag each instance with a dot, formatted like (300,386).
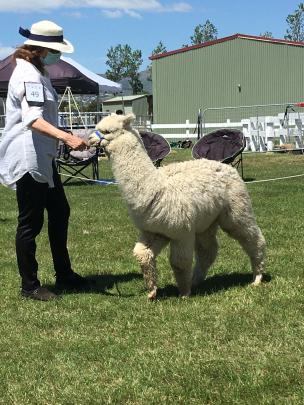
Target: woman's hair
(31,54)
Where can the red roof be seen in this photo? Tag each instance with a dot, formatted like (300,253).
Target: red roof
(230,38)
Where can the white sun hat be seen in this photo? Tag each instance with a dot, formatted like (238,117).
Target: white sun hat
(47,35)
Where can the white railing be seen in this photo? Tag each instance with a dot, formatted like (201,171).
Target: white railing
(80,120)
(190,130)
(261,133)
(185,127)
(90,119)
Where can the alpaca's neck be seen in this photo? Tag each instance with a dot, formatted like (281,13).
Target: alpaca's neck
(134,171)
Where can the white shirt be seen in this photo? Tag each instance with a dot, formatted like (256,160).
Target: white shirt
(22,149)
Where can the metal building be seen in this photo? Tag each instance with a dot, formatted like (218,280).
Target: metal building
(238,70)
(140,105)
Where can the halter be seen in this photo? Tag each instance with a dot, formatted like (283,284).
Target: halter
(99,135)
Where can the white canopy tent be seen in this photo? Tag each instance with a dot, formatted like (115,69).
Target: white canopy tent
(105,85)
(65,73)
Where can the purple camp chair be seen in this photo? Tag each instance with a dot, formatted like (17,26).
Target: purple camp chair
(223,145)
(156,146)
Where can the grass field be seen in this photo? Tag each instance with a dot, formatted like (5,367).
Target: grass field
(229,344)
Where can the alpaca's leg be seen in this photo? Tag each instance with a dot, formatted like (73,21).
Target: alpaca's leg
(181,256)
(244,229)
(146,251)
(206,248)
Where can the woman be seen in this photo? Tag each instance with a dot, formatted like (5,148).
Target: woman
(27,151)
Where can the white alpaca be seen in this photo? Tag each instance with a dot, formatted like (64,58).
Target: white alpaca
(182,204)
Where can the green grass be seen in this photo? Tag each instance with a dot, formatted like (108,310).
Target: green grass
(229,344)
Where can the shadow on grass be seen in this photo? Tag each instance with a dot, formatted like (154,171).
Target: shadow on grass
(100,284)
(5,220)
(214,284)
(104,283)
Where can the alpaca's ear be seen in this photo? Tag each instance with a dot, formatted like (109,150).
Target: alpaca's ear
(129,119)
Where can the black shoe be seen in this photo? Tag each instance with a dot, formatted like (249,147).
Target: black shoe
(71,281)
(40,294)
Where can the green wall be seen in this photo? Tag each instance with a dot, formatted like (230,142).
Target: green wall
(138,106)
(209,77)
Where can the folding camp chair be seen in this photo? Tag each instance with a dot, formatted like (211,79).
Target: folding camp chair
(73,163)
(224,145)
(156,146)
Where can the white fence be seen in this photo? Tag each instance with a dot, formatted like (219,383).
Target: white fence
(185,133)
(261,133)
(80,120)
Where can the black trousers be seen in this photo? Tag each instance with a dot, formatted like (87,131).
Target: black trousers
(33,198)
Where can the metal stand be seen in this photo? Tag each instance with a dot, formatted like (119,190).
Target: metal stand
(71,102)
(199,124)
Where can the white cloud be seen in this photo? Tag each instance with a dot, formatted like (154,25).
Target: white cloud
(73,14)
(181,7)
(141,5)
(133,14)
(112,13)
(130,7)
(120,13)
(29,5)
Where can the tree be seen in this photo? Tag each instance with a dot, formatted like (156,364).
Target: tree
(267,34)
(90,105)
(204,33)
(160,48)
(123,62)
(295,21)
(136,84)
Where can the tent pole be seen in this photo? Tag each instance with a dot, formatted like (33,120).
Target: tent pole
(76,105)
(70,109)
(61,100)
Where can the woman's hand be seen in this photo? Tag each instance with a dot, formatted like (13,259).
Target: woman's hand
(75,142)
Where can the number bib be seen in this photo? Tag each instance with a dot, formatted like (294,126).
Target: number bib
(34,93)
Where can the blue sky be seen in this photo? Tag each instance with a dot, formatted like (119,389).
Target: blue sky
(93,26)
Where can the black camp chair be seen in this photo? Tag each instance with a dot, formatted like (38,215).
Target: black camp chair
(223,145)
(71,163)
(156,146)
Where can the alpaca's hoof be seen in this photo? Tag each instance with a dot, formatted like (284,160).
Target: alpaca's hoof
(257,280)
(152,294)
